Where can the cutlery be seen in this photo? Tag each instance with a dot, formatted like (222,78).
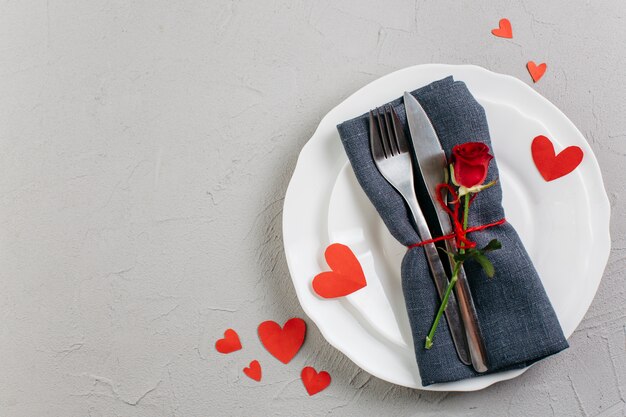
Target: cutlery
(432,165)
(390,149)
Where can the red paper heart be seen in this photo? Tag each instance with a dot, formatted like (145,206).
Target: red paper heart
(229,343)
(550,165)
(505,30)
(536,71)
(283,343)
(313,381)
(253,370)
(346,276)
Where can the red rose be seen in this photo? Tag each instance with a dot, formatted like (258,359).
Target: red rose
(471,162)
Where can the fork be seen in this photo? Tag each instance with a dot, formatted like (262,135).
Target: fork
(392,157)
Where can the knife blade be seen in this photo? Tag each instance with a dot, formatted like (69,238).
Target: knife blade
(432,164)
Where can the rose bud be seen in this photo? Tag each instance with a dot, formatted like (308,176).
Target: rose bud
(470,163)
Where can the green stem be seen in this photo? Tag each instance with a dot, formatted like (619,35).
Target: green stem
(465,215)
(444,304)
(455,276)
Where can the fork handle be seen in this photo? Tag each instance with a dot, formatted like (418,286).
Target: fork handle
(453,316)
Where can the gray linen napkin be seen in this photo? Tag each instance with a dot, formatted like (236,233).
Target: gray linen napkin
(517,320)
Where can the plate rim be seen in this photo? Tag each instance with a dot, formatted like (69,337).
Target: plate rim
(602,205)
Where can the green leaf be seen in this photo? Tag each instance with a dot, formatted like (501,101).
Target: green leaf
(460,257)
(450,254)
(492,245)
(468,254)
(486,264)
(452,179)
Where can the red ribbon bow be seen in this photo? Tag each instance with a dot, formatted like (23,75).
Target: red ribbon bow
(459,234)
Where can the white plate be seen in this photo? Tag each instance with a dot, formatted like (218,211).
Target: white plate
(564,224)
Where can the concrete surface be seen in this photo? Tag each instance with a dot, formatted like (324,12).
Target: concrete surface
(145,151)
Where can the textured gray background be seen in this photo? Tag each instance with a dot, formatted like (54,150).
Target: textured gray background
(145,151)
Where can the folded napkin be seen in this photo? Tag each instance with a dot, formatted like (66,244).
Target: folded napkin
(515,315)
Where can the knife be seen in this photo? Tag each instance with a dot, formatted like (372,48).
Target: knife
(432,164)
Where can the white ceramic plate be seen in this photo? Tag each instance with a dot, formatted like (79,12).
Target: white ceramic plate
(564,224)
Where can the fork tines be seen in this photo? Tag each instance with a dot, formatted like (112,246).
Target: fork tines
(387,130)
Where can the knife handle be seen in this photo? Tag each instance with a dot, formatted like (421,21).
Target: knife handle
(475,340)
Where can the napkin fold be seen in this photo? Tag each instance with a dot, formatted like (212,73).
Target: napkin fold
(517,320)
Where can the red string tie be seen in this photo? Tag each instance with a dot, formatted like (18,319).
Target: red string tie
(459,235)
